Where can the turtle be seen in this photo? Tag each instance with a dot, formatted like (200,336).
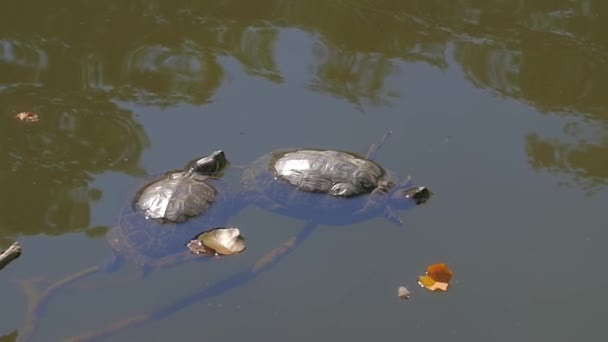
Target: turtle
(328,186)
(167,212)
(153,230)
(152,243)
(180,195)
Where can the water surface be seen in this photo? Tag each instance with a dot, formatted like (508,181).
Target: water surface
(499,108)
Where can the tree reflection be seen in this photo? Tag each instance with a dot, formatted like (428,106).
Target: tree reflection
(254,48)
(352,76)
(167,53)
(360,43)
(159,75)
(554,57)
(584,161)
(9,338)
(49,164)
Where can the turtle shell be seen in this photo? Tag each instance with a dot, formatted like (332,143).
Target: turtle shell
(180,195)
(176,197)
(336,173)
(327,186)
(150,243)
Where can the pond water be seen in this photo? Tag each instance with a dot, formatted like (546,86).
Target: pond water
(498,107)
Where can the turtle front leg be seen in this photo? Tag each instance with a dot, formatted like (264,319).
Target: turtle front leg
(392,216)
(372,202)
(340,189)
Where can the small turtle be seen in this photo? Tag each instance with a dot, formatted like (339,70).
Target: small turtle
(152,244)
(179,195)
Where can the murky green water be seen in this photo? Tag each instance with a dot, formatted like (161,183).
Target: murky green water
(499,107)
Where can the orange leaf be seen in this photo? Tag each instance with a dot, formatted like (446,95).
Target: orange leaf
(437,277)
(440,273)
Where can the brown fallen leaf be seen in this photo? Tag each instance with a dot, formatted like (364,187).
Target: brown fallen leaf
(437,277)
(27,116)
(440,272)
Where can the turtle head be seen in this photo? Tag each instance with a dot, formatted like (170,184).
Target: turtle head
(211,165)
(406,194)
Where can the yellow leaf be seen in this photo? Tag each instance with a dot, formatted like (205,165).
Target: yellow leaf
(437,277)
(426,281)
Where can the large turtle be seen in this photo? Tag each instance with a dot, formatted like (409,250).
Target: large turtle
(328,186)
(153,230)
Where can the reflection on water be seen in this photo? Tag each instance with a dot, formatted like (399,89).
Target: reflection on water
(159,75)
(549,62)
(49,165)
(9,338)
(253,47)
(585,161)
(80,65)
(21,61)
(353,77)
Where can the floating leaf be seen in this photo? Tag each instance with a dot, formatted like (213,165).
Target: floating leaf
(27,116)
(426,281)
(437,277)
